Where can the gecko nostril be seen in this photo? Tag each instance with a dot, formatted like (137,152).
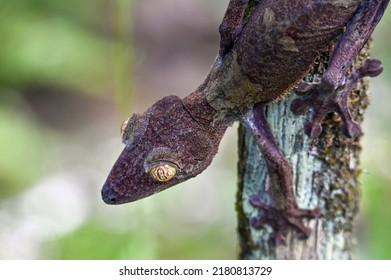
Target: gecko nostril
(108,196)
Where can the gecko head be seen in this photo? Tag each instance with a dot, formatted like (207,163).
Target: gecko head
(163,147)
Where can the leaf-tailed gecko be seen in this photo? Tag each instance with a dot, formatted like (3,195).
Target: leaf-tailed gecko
(261,57)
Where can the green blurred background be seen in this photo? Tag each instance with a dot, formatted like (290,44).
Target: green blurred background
(71,72)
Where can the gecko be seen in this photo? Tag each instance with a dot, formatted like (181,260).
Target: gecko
(262,55)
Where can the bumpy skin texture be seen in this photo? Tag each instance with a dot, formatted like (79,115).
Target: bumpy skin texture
(258,62)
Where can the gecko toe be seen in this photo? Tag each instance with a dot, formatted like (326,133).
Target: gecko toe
(351,129)
(313,129)
(371,68)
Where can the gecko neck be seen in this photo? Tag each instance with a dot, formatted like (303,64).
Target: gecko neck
(227,90)
(209,118)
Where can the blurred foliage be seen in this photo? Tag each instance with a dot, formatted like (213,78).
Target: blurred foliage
(376,179)
(92,241)
(50,41)
(18,133)
(378,216)
(51,44)
(63,64)
(40,45)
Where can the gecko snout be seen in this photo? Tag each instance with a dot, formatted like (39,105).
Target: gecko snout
(108,196)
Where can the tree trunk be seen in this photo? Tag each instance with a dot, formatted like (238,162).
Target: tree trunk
(325,172)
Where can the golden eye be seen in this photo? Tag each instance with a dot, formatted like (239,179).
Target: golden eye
(163,173)
(123,127)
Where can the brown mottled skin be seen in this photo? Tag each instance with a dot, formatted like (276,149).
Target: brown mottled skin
(258,62)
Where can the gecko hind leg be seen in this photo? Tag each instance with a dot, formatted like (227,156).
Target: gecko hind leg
(331,94)
(284,214)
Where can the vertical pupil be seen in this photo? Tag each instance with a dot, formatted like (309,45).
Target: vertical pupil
(163,173)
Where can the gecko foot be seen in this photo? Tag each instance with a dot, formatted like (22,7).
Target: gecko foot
(282,219)
(324,98)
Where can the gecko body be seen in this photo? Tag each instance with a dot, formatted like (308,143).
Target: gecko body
(260,59)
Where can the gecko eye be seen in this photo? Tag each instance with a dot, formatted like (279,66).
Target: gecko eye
(163,172)
(133,129)
(123,127)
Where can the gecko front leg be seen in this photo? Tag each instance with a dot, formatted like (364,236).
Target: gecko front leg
(284,213)
(232,24)
(331,94)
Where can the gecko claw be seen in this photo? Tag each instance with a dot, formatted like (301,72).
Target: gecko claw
(324,98)
(282,219)
(351,129)
(312,129)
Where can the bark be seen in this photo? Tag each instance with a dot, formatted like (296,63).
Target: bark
(325,171)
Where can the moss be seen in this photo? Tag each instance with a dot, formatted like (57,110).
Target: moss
(245,242)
